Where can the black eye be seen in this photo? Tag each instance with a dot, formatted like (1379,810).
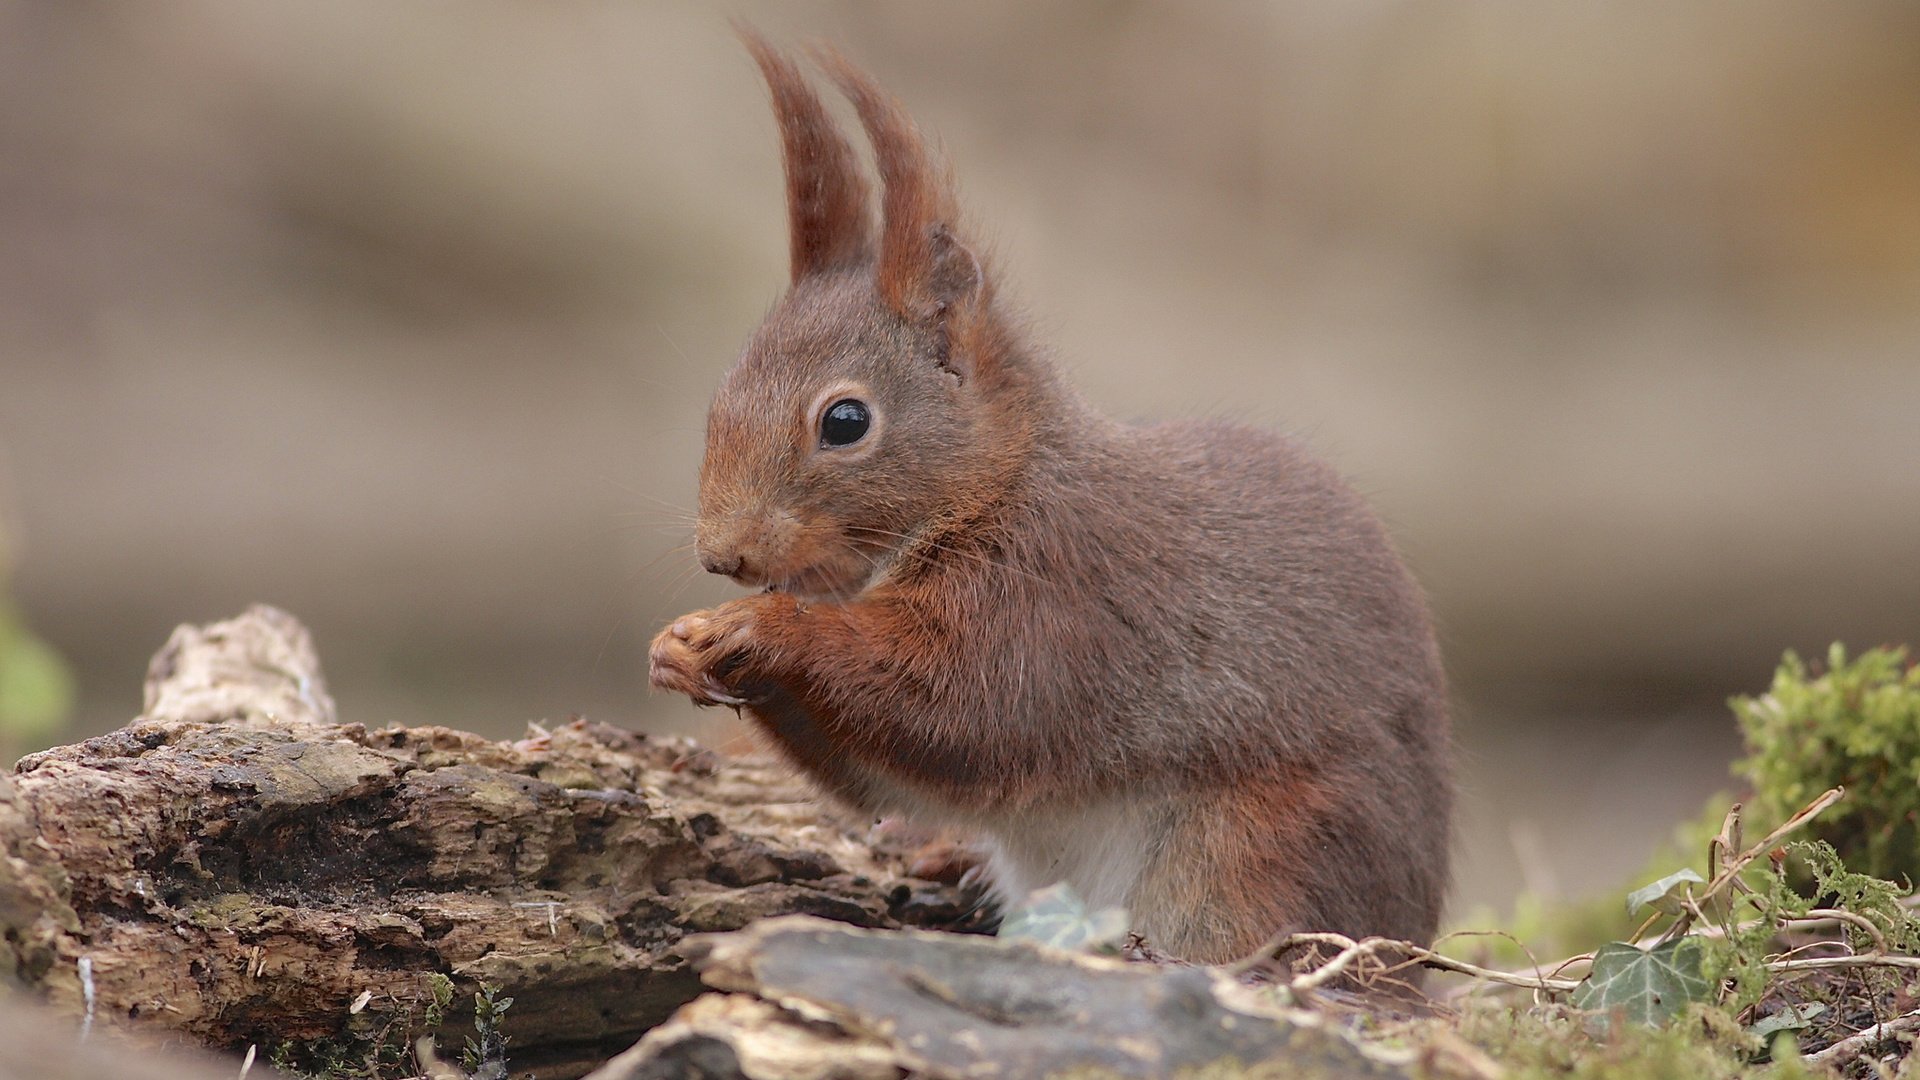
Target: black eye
(844,423)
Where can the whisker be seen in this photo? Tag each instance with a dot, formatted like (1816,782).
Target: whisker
(674,512)
(690,575)
(629,489)
(659,504)
(626,611)
(654,564)
(980,557)
(627,528)
(619,624)
(674,345)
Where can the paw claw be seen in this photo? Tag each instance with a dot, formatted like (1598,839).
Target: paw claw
(716,694)
(695,653)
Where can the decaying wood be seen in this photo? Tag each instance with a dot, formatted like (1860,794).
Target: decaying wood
(804,998)
(237,868)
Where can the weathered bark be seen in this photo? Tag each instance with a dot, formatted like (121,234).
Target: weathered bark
(235,867)
(804,999)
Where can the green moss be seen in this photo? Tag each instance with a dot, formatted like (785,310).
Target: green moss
(1855,724)
(232,911)
(1540,1043)
(441,989)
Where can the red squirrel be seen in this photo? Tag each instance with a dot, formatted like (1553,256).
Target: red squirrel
(1178,667)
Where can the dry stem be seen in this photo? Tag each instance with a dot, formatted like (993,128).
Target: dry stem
(1856,960)
(1730,867)
(1352,951)
(1862,1042)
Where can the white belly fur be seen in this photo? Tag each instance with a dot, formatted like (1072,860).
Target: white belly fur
(1100,850)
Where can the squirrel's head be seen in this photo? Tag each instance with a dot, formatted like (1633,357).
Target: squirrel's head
(877,399)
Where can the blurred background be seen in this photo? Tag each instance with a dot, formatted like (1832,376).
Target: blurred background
(404,318)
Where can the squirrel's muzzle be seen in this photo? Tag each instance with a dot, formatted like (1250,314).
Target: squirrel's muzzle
(724,565)
(741,546)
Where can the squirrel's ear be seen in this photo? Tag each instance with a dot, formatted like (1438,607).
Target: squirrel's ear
(826,195)
(925,269)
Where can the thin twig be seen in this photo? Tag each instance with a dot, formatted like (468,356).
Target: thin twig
(1862,1042)
(1346,958)
(1865,924)
(1730,868)
(1368,946)
(1854,960)
(1525,950)
(1530,982)
(1815,919)
(1799,951)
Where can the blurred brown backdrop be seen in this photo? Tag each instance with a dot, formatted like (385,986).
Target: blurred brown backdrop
(404,317)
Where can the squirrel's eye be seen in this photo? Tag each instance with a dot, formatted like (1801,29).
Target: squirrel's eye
(844,423)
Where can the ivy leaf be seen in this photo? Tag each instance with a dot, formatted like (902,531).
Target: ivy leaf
(1786,1022)
(1791,1018)
(1665,895)
(1645,987)
(1057,916)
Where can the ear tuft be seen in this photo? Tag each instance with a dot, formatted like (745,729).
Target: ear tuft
(924,270)
(826,195)
(956,273)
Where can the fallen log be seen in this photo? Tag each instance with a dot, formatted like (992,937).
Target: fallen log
(238,869)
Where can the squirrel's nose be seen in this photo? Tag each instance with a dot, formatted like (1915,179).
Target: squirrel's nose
(724,565)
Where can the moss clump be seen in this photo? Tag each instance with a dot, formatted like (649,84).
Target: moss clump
(441,989)
(1854,725)
(1534,1044)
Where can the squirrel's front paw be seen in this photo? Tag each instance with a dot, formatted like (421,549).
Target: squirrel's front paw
(700,654)
(683,661)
